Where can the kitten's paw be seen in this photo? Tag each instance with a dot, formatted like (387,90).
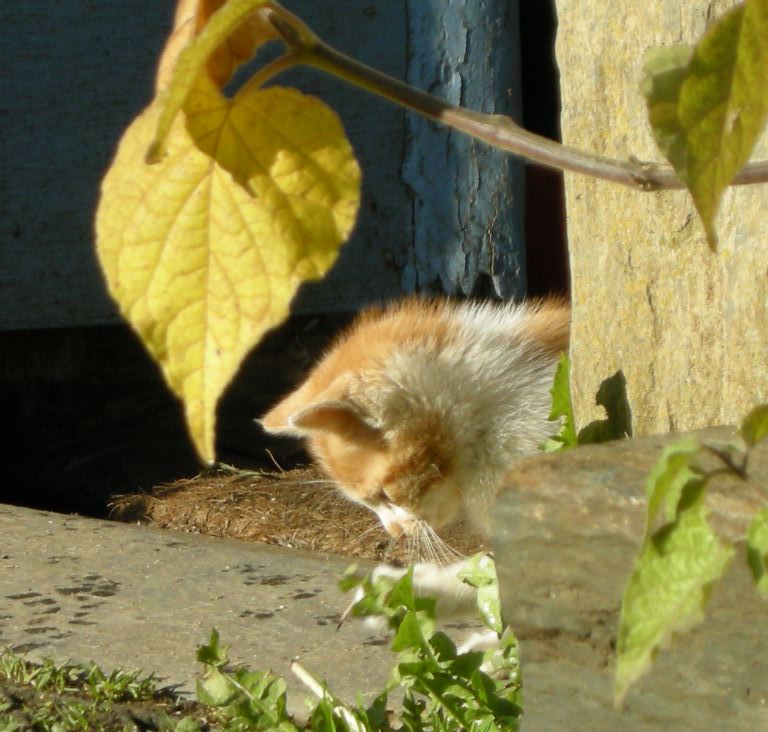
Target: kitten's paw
(454,598)
(388,572)
(376,623)
(481,640)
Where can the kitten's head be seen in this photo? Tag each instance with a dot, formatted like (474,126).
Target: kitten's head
(381,450)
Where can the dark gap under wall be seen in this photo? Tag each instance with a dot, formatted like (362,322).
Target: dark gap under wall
(546,249)
(89,416)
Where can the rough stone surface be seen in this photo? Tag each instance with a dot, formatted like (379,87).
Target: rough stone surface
(567,531)
(133,597)
(688,328)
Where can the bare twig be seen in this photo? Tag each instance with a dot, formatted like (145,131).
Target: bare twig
(497,130)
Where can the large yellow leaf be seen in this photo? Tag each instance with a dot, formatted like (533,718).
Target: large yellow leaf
(203,263)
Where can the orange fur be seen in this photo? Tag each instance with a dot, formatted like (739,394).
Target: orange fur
(418,408)
(549,326)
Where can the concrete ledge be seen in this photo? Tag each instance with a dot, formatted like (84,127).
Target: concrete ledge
(135,597)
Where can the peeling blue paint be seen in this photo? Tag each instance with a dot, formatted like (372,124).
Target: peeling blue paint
(468,198)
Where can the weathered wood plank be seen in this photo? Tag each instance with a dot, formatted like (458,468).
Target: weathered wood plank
(74,75)
(468,218)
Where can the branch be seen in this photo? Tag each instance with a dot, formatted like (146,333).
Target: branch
(497,130)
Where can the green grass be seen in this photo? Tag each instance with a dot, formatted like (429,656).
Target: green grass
(442,690)
(71,697)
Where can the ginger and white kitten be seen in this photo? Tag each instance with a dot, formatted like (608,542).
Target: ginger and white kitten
(420,408)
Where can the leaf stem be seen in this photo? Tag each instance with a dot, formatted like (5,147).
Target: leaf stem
(497,130)
(730,466)
(292,58)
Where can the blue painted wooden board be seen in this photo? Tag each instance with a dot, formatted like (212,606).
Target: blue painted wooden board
(438,211)
(468,219)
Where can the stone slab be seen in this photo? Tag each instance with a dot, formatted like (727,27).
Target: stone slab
(566,534)
(129,596)
(687,327)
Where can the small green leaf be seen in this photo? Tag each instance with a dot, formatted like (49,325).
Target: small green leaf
(754,428)
(562,409)
(668,478)
(187,724)
(213,654)
(322,717)
(402,592)
(708,109)
(414,630)
(350,579)
(665,70)
(757,550)
(443,647)
(668,590)
(490,606)
(480,571)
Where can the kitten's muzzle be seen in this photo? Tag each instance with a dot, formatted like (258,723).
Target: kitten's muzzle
(395,520)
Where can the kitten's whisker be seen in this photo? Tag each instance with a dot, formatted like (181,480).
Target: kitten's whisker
(373,527)
(282,481)
(413,546)
(427,541)
(444,552)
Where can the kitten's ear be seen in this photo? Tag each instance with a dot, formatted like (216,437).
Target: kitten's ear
(277,420)
(341,418)
(336,416)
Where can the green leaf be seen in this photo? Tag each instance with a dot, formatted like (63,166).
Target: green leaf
(754,428)
(402,592)
(757,550)
(443,647)
(708,108)
(413,631)
(351,579)
(665,70)
(215,689)
(562,409)
(322,717)
(668,590)
(376,713)
(187,724)
(213,654)
(489,604)
(668,479)
(480,571)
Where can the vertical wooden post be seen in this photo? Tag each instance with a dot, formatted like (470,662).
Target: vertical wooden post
(468,198)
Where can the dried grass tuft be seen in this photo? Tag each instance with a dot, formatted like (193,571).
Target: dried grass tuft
(297,509)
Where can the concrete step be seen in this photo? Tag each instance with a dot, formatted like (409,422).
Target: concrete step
(129,596)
